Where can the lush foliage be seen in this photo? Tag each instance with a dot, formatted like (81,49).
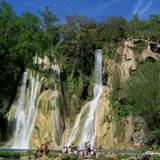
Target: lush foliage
(146,84)
(143,94)
(140,96)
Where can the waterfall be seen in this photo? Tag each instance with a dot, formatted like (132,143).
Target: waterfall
(20,115)
(55,115)
(88,131)
(56,68)
(75,129)
(26,120)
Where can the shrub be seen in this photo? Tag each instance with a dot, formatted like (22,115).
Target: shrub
(54,155)
(9,155)
(64,157)
(143,95)
(154,136)
(140,46)
(73,157)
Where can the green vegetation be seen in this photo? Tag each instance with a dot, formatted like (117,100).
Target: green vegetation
(140,46)
(52,155)
(68,157)
(146,84)
(9,155)
(142,97)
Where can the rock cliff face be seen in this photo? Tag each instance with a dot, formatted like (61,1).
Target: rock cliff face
(104,122)
(52,127)
(131,130)
(45,129)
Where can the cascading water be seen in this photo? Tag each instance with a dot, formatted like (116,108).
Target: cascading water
(20,115)
(26,120)
(55,116)
(75,129)
(56,68)
(88,131)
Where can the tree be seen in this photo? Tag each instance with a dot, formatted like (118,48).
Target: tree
(8,69)
(80,22)
(143,93)
(135,18)
(48,19)
(117,26)
(49,26)
(154,18)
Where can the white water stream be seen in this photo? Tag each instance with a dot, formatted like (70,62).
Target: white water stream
(88,130)
(26,111)
(55,115)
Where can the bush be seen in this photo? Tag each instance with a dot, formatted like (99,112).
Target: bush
(64,157)
(9,155)
(154,136)
(73,157)
(54,155)
(30,152)
(140,46)
(143,89)
(143,95)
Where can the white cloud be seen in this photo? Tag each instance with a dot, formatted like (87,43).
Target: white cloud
(142,7)
(109,4)
(138,6)
(100,8)
(148,5)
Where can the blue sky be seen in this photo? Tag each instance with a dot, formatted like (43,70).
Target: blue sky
(96,9)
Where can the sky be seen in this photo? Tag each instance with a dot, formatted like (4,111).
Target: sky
(96,9)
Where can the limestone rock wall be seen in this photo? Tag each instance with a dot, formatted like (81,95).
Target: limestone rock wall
(130,130)
(45,129)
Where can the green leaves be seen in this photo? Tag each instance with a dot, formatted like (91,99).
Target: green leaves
(143,95)
(145,83)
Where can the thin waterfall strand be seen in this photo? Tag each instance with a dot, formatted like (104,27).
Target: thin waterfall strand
(75,129)
(20,121)
(55,112)
(88,131)
(22,138)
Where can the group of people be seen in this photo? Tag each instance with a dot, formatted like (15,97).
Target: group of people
(43,149)
(87,151)
(66,149)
